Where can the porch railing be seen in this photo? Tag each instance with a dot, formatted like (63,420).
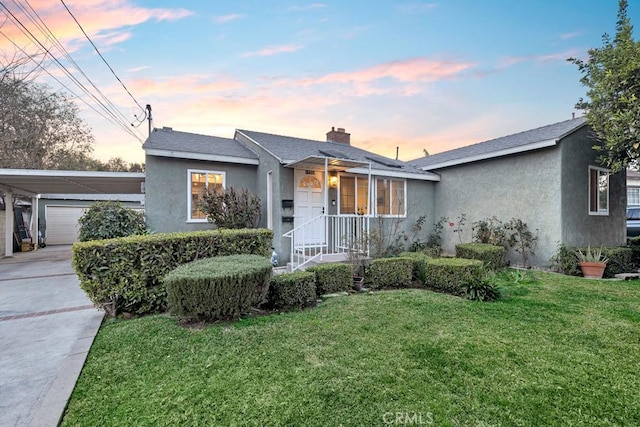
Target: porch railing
(325,237)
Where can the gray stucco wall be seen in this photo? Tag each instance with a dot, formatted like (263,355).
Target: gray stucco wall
(579,228)
(525,186)
(166,190)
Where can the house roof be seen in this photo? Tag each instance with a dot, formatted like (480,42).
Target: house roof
(290,150)
(171,143)
(545,136)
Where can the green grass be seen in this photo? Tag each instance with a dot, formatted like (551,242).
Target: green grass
(554,351)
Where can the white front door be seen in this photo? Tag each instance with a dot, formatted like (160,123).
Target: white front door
(309,204)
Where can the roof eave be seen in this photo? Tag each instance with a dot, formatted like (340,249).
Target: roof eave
(201,156)
(424,176)
(493,154)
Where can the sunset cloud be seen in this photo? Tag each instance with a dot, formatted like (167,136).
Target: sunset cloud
(227,18)
(273,50)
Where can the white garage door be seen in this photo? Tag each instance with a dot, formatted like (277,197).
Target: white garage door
(62,224)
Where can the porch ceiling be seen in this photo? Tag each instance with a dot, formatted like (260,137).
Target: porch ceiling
(318,162)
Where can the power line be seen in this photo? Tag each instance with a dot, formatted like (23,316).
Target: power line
(101,57)
(109,108)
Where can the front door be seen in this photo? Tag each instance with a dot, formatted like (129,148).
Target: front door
(309,204)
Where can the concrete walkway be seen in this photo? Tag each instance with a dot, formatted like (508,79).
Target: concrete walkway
(47,326)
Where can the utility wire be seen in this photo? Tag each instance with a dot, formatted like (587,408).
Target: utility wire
(102,57)
(35,40)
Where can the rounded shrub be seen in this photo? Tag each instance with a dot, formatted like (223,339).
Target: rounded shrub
(390,272)
(419,259)
(109,219)
(492,255)
(332,278)
(451,275)
(219,287)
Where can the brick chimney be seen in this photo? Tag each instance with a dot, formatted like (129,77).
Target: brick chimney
(339,136)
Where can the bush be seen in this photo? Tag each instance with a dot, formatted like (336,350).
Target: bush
(231,208)
(492,255)
(332,278)
(620,260)
(419,270)
(481,288)
(292,290)
(452,274)
(108,220)
(218,288)
(125,274)
(491,231)
(634,245)
(390,272)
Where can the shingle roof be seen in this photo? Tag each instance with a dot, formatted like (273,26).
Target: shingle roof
(518,142)
(289,149)
(170,140)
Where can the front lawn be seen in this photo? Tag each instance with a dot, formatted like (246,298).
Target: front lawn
(559,351)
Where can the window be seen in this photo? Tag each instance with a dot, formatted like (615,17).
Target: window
(390,197)
(199,181)
(354,195)
(633,196)
(598,191)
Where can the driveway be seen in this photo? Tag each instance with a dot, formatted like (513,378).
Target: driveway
(47,326)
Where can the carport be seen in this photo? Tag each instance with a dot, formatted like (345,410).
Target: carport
(33,183)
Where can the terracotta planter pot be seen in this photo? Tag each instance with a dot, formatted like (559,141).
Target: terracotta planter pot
(593,270)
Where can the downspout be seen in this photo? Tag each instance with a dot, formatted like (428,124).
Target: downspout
(325,207)
(8,224)
(370,213)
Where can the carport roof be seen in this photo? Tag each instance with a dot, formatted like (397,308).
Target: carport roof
(30,182)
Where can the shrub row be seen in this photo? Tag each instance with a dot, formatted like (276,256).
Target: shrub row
(218,288)
(419,270)
(292,290)
(493,256)
(125,274)
(391,272)
(332,278)
(451,275)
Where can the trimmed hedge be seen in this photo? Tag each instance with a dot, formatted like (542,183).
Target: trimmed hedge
(218,288)
(634,245)
(391,272)
(492,255)
(291,290)
(332,278)
(419,270)
(451,275)
(125,274)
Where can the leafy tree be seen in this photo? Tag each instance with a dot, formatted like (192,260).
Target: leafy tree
(231,208)
(612,76)
(39,128)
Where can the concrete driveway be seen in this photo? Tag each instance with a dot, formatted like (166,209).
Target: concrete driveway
(47,326)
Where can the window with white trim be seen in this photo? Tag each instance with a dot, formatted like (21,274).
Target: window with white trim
(198,182)
(598,191)
(390,197)
(354,195)
(633,196)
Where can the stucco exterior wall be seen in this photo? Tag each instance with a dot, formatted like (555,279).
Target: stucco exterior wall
(2,232)
(166,190)
(579,228)
(525,186)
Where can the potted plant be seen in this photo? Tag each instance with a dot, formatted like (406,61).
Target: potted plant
(592,262)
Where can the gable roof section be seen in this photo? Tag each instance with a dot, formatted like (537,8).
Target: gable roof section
(546,136)
(289,150)
(167,142)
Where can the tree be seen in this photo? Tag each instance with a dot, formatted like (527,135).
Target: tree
(612,76)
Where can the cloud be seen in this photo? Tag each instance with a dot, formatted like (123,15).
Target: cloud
(196,84)
(567,36)
(415,8)
(273,50)
(227,18)
(138,69)
(560,56)
(311,6)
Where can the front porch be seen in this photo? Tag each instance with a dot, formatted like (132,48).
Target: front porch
(341,237)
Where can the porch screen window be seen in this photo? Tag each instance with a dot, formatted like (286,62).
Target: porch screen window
(633,196)
(390,197)
(598,191)
(199,181)
(354,195)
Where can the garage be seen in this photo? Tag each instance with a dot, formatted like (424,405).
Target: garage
(62,224)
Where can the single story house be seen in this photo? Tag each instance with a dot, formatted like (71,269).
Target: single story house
(323,197)
(548,177)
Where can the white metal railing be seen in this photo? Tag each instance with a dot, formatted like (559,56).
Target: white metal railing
(327,235)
